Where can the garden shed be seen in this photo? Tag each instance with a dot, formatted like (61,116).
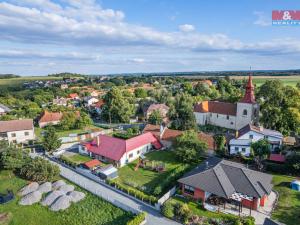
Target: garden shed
(295,185)
(107,172)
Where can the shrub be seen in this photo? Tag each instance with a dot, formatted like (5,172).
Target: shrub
(157,190)
(138,219)
(168,210)
(275,167)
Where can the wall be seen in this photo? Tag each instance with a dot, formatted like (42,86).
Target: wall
(243,120)
(221,120)
(20,136)
(43,124)
(200,118)
(136,153)
(233,151)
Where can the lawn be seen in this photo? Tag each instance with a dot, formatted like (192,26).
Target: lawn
(288,208)
(77,158)
(260,80)
(90,211)
(148,180)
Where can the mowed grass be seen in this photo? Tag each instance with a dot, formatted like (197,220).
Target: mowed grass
(148,178)
(77,158)
(90,211)
(288,207)
(20,80)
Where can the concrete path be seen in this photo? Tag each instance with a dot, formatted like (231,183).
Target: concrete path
(153,217)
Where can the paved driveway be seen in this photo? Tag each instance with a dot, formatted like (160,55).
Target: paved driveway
(153,217)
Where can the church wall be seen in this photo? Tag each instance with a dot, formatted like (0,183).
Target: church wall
(200,118)
(222,120)
(243,120)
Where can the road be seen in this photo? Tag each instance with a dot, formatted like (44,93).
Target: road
(128,204)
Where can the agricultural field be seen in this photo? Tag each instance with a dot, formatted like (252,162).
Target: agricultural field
(148,180)
(288,207)
(13,82)
(90,211)
(259,80)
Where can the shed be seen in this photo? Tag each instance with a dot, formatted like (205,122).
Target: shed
(91,165)
(295,185)
(277,158)
(107,172)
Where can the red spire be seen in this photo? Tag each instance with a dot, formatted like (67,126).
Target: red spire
(249,94)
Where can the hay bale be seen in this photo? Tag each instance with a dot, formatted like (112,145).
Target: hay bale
(66,188)
(76,196)
(31,198)
(29,188)
(51,197)
(45,187)
(62,203)
(58,184)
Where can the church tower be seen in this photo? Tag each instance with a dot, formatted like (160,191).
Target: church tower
(247,108)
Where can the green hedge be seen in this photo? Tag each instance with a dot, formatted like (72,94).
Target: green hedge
(138,219)
(133,192)
(275,167)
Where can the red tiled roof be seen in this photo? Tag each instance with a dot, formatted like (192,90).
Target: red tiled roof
(114,148)
(99,104)
(92,163)
(249,94)
(16,125)
(154,129)
(50,117)
(216,107)
(170,135)
(73,95)
(207,138)
(277,158)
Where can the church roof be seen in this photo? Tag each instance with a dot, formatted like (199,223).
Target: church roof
(249,94)
(216,107)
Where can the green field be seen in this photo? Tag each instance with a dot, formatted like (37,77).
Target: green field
(12,82)
(78,159)
(90,211)
(288,207)
(259,80)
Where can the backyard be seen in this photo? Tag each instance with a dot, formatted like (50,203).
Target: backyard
(288,208)
(90,211)
(77,158)
(152,182)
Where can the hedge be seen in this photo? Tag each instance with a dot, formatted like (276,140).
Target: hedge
(138,219)
(275,167)
(67,161)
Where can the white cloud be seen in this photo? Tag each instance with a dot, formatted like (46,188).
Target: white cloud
(186,27)
(262,19)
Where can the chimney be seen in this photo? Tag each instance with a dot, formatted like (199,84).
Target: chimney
(98,140)
(161,130)
(236,134)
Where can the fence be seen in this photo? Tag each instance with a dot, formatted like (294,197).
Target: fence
(83,137)
(164,198)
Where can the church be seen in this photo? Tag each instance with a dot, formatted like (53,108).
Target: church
(229,115)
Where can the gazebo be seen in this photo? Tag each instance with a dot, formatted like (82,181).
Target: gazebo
(295,185)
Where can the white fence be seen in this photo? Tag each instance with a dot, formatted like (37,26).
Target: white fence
(164,198)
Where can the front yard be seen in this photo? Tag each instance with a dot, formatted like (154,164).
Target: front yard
(152,182)
(90,211)
(77,158)
(288,207)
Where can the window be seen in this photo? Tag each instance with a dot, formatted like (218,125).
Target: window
(243,149)
(14,141)
(189,190)
(26,133)
(251,136)
(217,115)
(13,134)
(138,152)
(236,149)
(130,155)
(227,117)
(245,112)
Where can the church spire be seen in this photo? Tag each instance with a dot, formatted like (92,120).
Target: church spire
(249,94)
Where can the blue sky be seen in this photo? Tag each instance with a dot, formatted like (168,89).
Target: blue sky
(38,37)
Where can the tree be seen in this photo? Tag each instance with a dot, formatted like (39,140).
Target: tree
(13,158)
(51,142)
(40,170)
(83,121)
(69,120)
(117,108)
(261,149)
(182,112)
(188,147)
(155,118)
(293,162)
(140,93)
(168,209)
(220,141)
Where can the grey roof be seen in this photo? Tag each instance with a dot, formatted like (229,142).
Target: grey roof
(223,178)
(5,108)
(272,222)
(261,130)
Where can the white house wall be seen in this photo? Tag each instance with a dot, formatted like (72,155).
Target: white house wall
(20,136)
(135,154)
(233,151)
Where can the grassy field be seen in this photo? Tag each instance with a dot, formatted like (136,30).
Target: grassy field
(20,80)
(90,211)
(288,208)
(259,80)
(78,159)
(150,179)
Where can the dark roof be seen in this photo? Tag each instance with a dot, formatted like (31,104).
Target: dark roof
(224,108)
(272,222)
(223,178)
(261,130)
(5,108)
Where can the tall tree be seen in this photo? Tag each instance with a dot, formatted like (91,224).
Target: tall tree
(51,141)
(117,108)
(261,149)
(155,118)
(182,112)
(220,141)
(13,158)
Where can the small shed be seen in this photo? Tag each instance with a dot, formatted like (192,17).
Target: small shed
(91,165)
(107,172)
(277,158)
(295,185)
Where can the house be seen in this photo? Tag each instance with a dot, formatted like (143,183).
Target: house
(64,86)
(48,118)
(98,106)
(229,115)
(4,109)
(228,181)
(167,136)
(119,151)
(90,100)
(60,101)
(162,108)
(73,96)
(269,221)
(250,134)
(17,131)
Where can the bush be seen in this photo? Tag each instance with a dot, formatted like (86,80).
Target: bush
(138,219)
(157,190)
(168,210)
(275,167)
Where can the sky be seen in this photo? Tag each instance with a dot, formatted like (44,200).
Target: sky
(40,37)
